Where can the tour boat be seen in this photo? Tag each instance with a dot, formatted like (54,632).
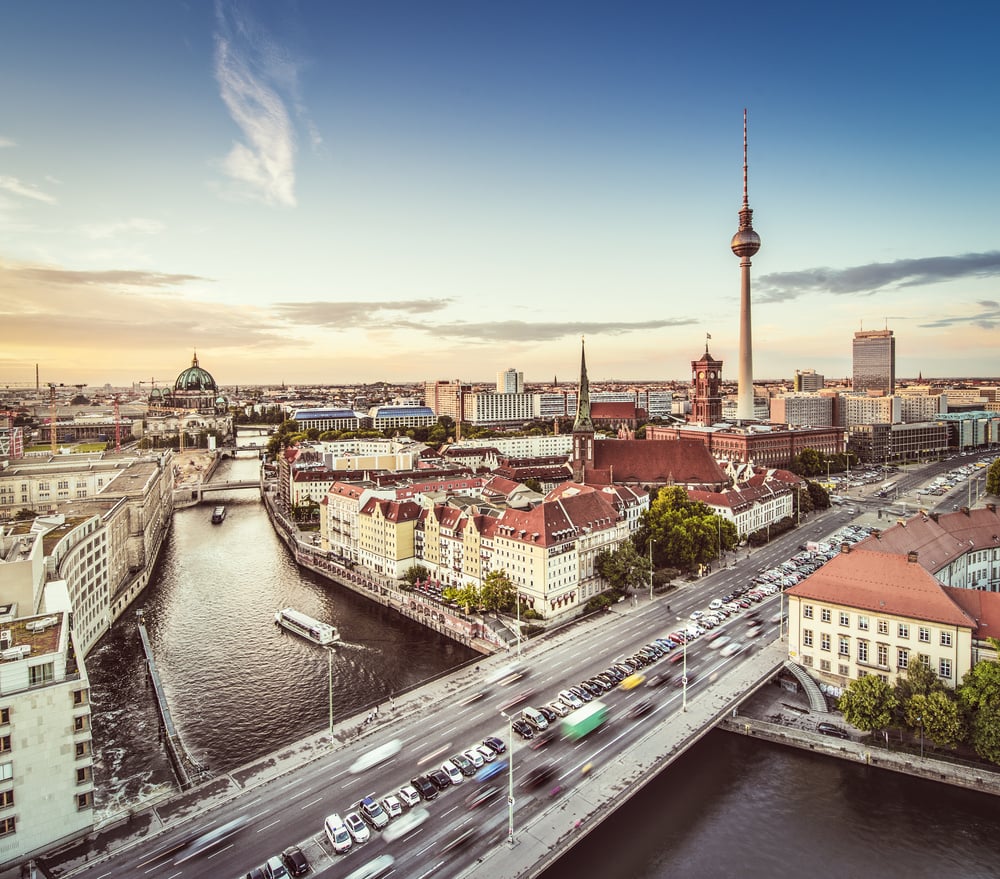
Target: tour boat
(317,632)
(218,515)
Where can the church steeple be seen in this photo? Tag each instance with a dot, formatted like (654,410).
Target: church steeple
(583,421)
(583,427)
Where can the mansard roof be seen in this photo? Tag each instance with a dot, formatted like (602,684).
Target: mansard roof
(565,513)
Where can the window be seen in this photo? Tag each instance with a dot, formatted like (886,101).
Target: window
(825,614)
(924,660)
(862,651)
(903,630)
(883,627)
(6,771)
(83,749)
(845,618)
(807,660)
(844,670)
(83,801)
(903,658)
(4,744)
(79,697)
(6,826)
(863,623)
(924,634)
(944,668)
(81,723)
(946,639)
(824,665)
(844,645)
(6,799)
(883,655)
(807,638)
(40,674)
(824,641)
(4,716)
(807,611)
(83,775)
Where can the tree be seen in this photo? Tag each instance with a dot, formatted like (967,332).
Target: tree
(868,703)
(820,496)
(686,533)
(534,485)
(469,596)
(993,478)
(414,573)
(624,568)
(938,717)
(980,696)
(498,592)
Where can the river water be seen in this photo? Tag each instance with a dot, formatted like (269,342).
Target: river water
(239,687)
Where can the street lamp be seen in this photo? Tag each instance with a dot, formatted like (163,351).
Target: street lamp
(329,668)
(510,776)
(684,674)
(650,568)
(920,720)
(517,604)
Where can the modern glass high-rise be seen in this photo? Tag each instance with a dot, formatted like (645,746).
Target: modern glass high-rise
(874,361)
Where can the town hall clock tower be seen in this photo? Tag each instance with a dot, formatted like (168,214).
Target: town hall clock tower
(706,397)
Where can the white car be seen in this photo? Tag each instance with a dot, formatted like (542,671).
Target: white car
(487,754)
(558,708)
(408,794)
(715,604)
(410,821)
(570,699)
(718,642)
(453,772)
(731,648)
(337,833)
(393,807)
(474,757)
(695,614)
(356,826)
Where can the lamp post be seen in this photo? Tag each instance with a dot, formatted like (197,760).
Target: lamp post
(329,669)
(517,604)
(510,777)
(920,720)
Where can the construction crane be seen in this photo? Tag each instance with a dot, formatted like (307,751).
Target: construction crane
(52,416)
(11,445)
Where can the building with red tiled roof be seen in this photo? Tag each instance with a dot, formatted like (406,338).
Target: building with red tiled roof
(868,612)
(960,549)
(386,535)
(749,507)
(615,414)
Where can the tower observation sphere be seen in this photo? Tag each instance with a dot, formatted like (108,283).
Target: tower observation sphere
(745,242)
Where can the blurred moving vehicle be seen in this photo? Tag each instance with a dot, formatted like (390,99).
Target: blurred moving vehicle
(537,776)
(584,720)
(406,824)
(374,868)
(212,838)
(376,756)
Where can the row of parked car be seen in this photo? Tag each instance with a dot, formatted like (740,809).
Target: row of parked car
(398,813)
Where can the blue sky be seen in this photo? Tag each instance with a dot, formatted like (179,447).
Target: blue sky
(340,192)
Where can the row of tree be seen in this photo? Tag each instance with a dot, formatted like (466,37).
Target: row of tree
(919,702)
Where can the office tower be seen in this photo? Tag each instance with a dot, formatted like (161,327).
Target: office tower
(745,244)
(510,381)
(874,361)
(807,380)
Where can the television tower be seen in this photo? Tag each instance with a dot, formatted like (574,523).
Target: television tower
(745,244)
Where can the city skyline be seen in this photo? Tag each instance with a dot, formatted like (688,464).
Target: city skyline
(336,194)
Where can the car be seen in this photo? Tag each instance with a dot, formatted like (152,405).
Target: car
(695,615)
(493,770)
(393,807)
(715,603)
(482,796)
(571,699)
(658,680)
(558,708)
(409,796)
(718,642)
(677,657)
(829,729)
(295,861)
(488,755)
(543,739)
(409,822)
(495,744)
(593,689)
(537,776)
(522,728)
(425,787)
(754,631)
(681,679)
(256,873)
(453,772)
(474,757)
(581,694)
(731,648)
(464,764)
(439,778)
(549,715)
(356,827)
(372,812)
(374,869)
(275,868)
(337,833)
(517,699)
(632,681)
(640,708)
(460,838)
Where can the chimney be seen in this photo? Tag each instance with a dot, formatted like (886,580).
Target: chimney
(911,556)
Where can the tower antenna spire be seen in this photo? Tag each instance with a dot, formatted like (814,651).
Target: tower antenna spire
(746,197)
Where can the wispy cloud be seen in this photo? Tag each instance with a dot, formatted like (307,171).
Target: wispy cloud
(987,317)
(109,278)
(251,70)
(346,315)
(6,142)
(16,187)
(870,279)
(523,331)
(98,231)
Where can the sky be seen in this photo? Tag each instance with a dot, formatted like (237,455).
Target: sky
(338,192)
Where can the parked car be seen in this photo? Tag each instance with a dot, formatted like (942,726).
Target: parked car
(488,754)
(558,708)
(373,813)
(829,729)
(522,728)
(275,868)
(256,873)
(356,827)
(475,757)
(337,833)
(465,766)
(409,796)
(453,772)
(571,699)
(495,744)
(295,861)
(439,778)
(425,787)
(393,807)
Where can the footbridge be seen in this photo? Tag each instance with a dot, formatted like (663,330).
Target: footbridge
(229,485)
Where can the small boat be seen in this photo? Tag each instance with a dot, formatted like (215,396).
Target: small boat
(218,514)
(317,632)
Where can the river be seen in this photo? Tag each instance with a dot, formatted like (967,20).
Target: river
(239,687)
